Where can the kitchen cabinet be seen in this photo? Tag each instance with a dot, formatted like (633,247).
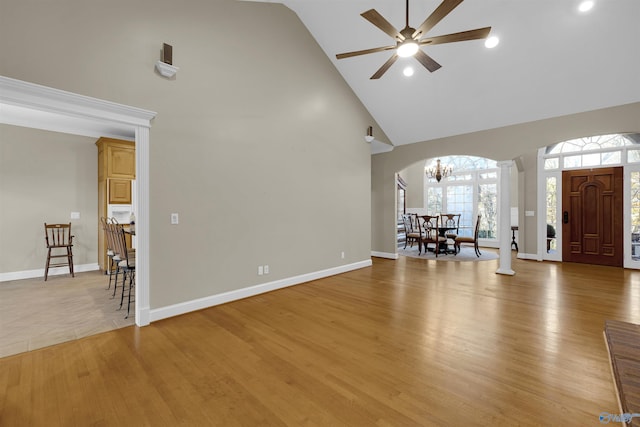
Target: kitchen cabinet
(119,191)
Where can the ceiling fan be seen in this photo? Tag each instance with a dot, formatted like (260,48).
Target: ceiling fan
(409,40)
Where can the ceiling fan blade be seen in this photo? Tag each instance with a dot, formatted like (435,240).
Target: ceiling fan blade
(427,61)
(436,16)
(480,33)
(379,21)
(384,67)
(364,52)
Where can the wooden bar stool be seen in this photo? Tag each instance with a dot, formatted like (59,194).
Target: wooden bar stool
(58,237)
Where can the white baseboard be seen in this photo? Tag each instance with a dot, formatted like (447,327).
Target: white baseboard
(210,301)
(533,257)
(54,271)
(384,255)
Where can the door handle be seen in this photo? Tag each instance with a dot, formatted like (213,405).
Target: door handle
(565,217)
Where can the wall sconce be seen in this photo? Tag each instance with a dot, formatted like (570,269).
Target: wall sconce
(165,66)
(369,136)
(439,171)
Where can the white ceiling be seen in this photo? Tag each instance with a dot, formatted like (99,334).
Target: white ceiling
(552,60)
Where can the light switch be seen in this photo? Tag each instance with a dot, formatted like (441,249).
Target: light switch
(174,219)
(75,215)
(529,213)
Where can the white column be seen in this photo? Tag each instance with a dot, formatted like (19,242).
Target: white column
(142,226)
(505,218)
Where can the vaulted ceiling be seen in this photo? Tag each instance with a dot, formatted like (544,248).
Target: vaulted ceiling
(552,60)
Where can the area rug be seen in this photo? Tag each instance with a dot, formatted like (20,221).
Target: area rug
(466,254)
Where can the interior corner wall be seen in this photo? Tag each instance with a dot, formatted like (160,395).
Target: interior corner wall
(257,143)
(415,186)
(44,176)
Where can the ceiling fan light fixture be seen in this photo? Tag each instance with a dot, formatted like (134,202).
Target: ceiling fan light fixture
(407,48)
(408,71)
(586,6)
(491,42)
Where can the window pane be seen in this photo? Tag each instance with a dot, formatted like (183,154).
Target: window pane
(552,163)
(434,200)
(488,208)
(612,158)
(572,161)
(461,178)
(460,200)
(552,220)
(633,156)
(489,175)
(635,215)
(591,159)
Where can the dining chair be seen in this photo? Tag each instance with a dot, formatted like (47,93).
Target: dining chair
(450,223)
(430,233)
(464,240)
(58,238)
(110,249)
(411,232)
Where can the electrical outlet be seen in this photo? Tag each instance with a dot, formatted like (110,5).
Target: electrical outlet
(342,254)
(75,215)
(260,270)
(175,219)
(266,269)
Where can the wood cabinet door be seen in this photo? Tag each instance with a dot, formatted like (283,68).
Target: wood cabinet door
(592,223)
(121,162)
(120,191)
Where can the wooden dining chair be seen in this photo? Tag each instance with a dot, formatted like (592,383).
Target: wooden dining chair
(411,232)
(451,223)
(464,240)
(430,233)
(110,249)
(59,245)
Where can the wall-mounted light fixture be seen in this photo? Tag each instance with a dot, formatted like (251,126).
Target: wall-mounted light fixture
(369,136)
(165,66)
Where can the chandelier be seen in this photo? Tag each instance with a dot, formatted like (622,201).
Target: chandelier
(438,172)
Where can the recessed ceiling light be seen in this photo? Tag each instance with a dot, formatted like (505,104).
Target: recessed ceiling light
(491,42)
(408,71)
(586,6)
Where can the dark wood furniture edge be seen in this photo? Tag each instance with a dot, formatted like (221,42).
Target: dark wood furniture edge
(623,347)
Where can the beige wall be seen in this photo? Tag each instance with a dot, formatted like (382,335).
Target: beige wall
(257,144)
(44,176)
(413,176)
(500,144)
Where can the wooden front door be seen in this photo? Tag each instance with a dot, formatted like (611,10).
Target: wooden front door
(592,225)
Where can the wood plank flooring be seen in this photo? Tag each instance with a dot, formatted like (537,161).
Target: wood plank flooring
(402,343)
(36,314)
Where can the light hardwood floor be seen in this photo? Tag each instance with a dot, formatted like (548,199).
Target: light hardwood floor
(406,342)
(36,314)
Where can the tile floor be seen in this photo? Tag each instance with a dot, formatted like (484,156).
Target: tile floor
(36,314)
